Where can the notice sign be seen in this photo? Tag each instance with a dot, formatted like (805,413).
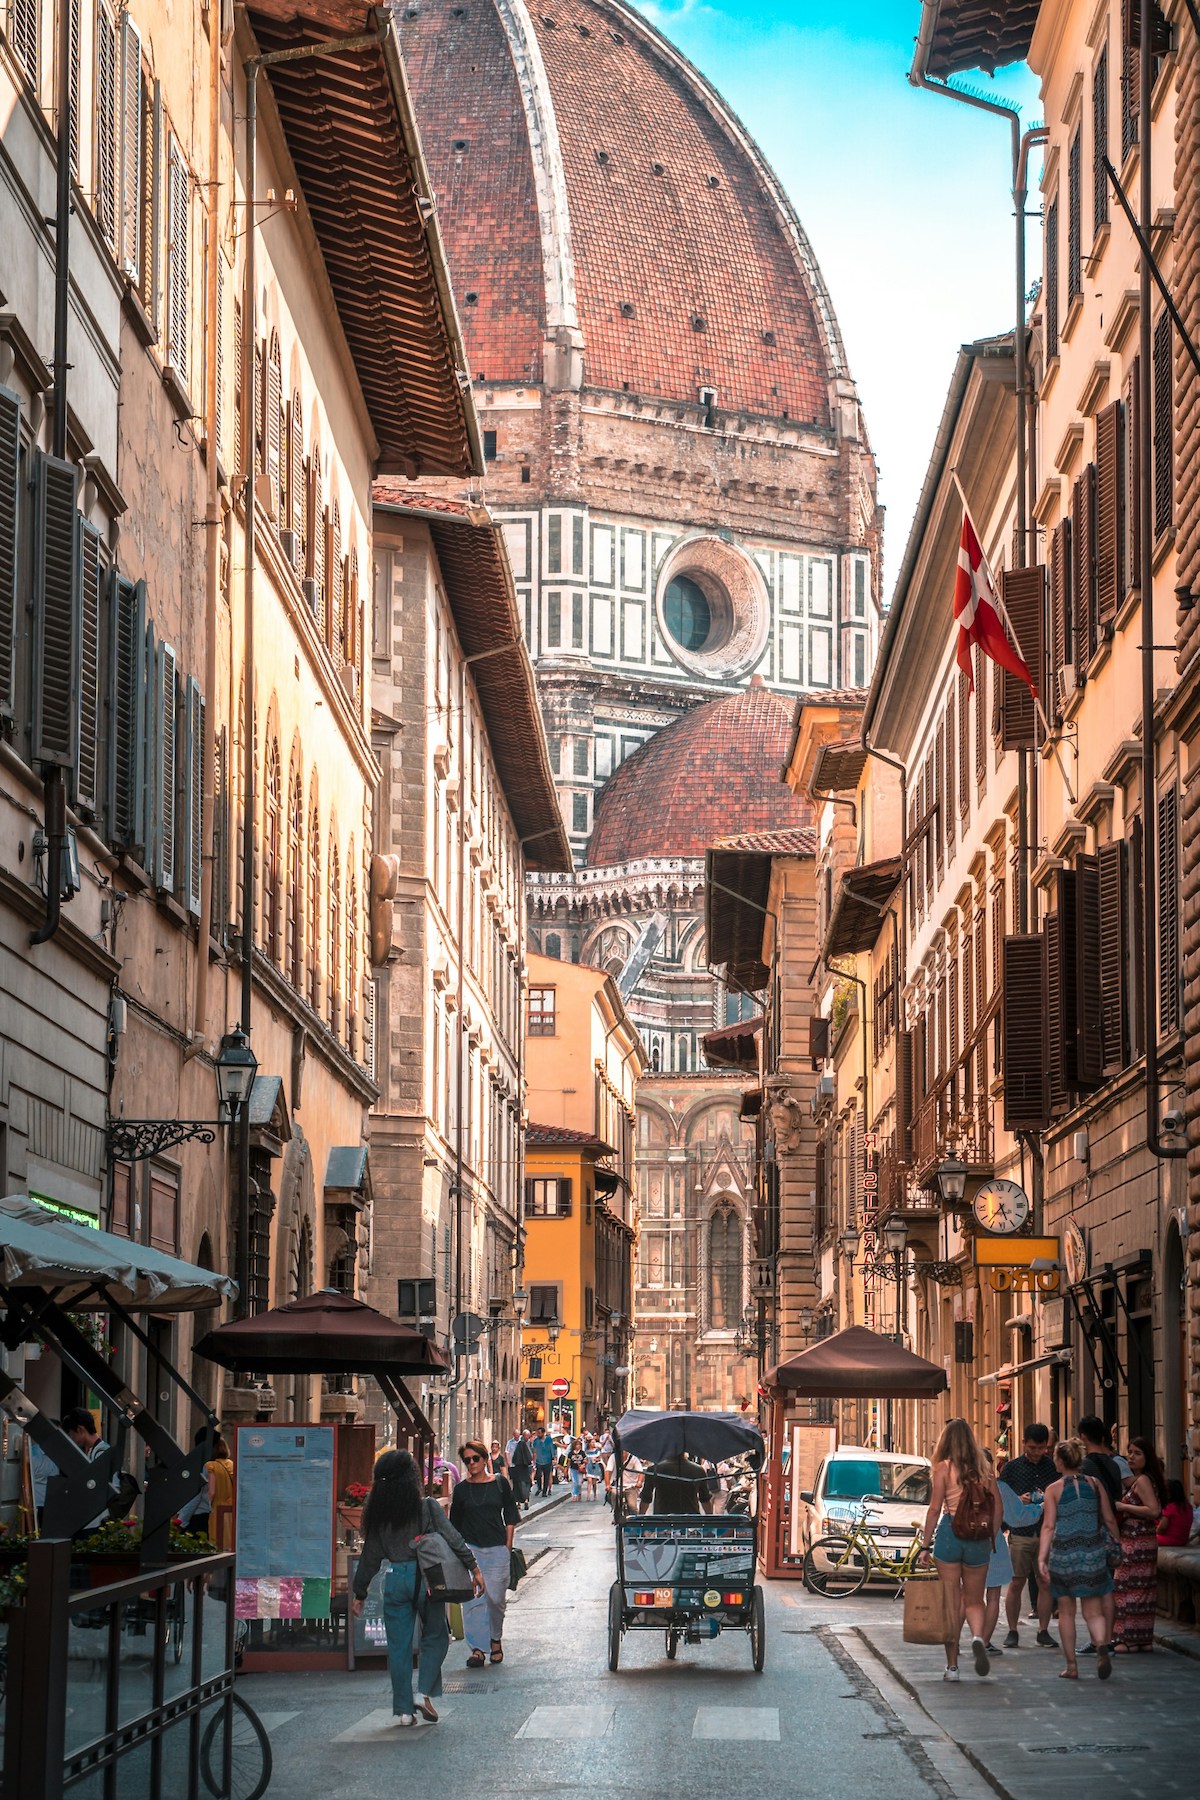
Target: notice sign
(284,1541)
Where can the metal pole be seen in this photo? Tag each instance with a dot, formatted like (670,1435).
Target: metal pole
(249,408)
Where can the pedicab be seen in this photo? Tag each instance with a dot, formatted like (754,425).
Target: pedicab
(691,1574)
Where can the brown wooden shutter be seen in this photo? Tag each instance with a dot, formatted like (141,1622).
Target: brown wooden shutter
(964,746)
(1059,692)
(904,1096)
(819,1180)
(10,501)
(1026,1100)
(1137,1011)
(1113,864)
(1164,459)
(1089,1003)
(1023,595)
(1168,912)
(939,790)
(818,1038)
(981,1076)
(932,825)
(1109,473)
(981,716)
(951,769)
(1066,889)
(1083,571)
(119,1217)
(1133,477)
(1056,1021)
(920,1063)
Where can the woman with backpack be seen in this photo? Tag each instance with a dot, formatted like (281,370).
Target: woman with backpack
(1079,1530)
(964,1517)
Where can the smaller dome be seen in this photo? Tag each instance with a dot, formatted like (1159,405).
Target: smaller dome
(707,775)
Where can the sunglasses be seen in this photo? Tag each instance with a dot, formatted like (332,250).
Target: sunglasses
(474,1459)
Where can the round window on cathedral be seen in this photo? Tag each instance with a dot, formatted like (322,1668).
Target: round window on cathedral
(713,607)
(687,614)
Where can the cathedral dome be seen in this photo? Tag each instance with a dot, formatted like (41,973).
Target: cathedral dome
(709,774)
(600,201)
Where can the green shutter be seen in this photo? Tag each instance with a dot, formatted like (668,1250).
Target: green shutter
(92,574)
(56,558)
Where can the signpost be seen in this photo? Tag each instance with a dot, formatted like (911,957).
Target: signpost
(560,1387)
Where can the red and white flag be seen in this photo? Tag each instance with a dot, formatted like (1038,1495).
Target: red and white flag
(978,612)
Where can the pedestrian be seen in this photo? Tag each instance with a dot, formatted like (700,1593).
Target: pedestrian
(1175,1525)
(444,1478)
(577,1467)
(395,1515)
(80,1426)
(543,1460)
(484,1510)
(1099,1461)
(219,1474)
(1078,1529)
(1139,1511)
(595,1465)
(1027,1476)
(675,1485)
(520,1469)
(498,1459)
(1000,1569)
(964,1516)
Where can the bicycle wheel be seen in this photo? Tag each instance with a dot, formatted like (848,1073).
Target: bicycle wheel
(833,1569)
(250,1759)
(616,1607)
(178,1614)
(758,1630)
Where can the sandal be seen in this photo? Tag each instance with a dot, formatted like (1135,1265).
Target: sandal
(476,1659)
(1071,1674)
(497,1651)
(428,1711)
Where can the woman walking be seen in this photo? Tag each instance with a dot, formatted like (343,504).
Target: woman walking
(220,1495)
(577,1464)
(1136,1582)
(1078,1526)
(396,1513)
(595,1465)
(484,1510)
(966,1509)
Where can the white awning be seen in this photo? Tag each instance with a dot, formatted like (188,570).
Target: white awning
(41,1249)
(1010,1371)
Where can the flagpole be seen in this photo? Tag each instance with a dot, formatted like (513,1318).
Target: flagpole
(1016,644)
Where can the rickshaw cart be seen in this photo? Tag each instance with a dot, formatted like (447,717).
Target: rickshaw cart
(689,1575)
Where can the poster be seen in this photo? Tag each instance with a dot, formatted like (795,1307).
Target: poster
(368,1635)
(284,1520)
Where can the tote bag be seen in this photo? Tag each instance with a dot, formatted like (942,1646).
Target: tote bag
(926,1615)
(446,1575)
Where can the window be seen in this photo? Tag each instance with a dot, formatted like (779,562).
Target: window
(21,25)
(554,543)
(555,747)
(313,923)
(489,446)
(543,1303)
(724,1268)
(604,758)
(352,971)
(548,1197)
(1074,218)
(273,436)
(687,613)
(553,947)
(860,590)
(1169,969)
(860,662)
(179,202)
(1163,382)
(1100,140)
(272,829)
(1051,290)
(164,1213)
(541,1011)
(577,621)
(553,621)
(577,544)
(104,174)
(295,891)
(579,812)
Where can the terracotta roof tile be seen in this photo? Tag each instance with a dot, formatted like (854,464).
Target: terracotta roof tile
(561,1137)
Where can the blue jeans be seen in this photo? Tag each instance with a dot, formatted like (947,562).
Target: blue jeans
(404,1602)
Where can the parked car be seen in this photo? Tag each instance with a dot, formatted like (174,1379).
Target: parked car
(896,1488)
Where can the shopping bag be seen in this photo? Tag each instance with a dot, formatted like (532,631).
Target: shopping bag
(926,1614)
(454,1619)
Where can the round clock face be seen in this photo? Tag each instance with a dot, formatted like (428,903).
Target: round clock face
(1001,1206)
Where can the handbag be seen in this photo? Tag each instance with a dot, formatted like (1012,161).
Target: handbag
(1114,1553)
(446,1575)
(926,1613)
(517,1567)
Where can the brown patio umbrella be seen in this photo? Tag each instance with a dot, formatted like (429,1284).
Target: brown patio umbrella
(323,1334)
(857,1364)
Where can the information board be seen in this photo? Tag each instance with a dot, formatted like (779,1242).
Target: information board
(284,1520)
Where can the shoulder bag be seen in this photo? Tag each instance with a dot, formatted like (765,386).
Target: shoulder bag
(446,1575)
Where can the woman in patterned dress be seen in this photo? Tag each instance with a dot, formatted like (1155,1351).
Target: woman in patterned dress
(1136,1582)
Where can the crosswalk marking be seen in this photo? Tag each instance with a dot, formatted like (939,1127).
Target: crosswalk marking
(568,1722)
(758,1724)
(375,1726)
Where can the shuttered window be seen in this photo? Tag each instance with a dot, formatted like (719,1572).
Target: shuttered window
(1051,282)
(1023,595)
(932,824)
(21,23)
(904,1096)
(150,198)
(1113,864)
(1089,1004)
(1130,63)
(1075,217)
(1059,685)
(131,135)
(164,1213)
(951,771)
(1169,1010)
(56,618)
(964,743)
(981,987)
(93,576)
(127,726)
(939,776)
(1110,505)
(369,1001)
(166,769)
(312,931)
(1100,140)
(1135,900)
(1164,426)
(981,716)
(10,503)
(76,24)
(296,496)
(105,177)
(192,793)
(294,951)
(1060,1036)
(333,963)
(1026,1100)
(337,583)
(220,836)
(1132,523)
(1083,571)
(178,261)
(271,853)
(273,401)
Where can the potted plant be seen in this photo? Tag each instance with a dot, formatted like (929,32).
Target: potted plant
(350,1505)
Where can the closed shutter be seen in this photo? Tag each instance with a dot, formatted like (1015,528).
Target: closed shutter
(220,836)
(76,24)
(1075,218)
(296,479)
(152,779)
(223,279)
(317,527)
(1089,999)
(130,174)
(981,986)
(1133,478)
(178,261)
(150,199)
(369,1026)
(904,1096)
(951,770)
(22,22)
(167,746)
(964,744)
(939,776)
(1164,474)
(1168,912)
(1051,284)
(1113,863)
(93,576)
(1100,140)
(1083,571)
(1026,1099)
(274,405)
(1060,1028)
(105,103)
(127,727)
(1060,688)
(920,1062)
(1135,900)
(932,824)
(1109,499)
(337,587)
(1023,594)
(1066,889)
(10,503)
(981,716)
(239,384)
(56,553)
(818,1038)
(192,793)
(1130,63)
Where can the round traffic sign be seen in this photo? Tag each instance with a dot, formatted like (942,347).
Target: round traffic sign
(560,1387)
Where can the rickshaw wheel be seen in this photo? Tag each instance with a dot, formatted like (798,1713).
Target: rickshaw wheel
(672,1645)
(758,1630)
(616,1606)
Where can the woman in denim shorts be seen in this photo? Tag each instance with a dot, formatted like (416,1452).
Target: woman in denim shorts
(962,1563)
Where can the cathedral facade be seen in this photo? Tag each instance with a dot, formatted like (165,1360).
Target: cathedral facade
(675,449)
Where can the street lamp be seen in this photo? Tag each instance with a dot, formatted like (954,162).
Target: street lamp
(519,1301)
(806,1322)
(237,1066)
(136,1140)
(849,1243)
(952,1180)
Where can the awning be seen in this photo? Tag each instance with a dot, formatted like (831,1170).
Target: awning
(323,1334)
(85,1269)
(346,1170)
(857,1364)
(717,1436)
(751,1106)
(734,1046)
(837,768)
(1010,1371)
(979,34)
(859,907)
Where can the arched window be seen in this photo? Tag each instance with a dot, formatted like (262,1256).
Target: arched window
(554,945)
(272,822)
(724,1268)
(333,962)
(313,924)
(294,953)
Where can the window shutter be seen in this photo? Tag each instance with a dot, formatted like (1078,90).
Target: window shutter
(22,28)
(904,1096)
(951,768)
(981,716)
(1164,476)
(150,274)
(104,183)
(1130,60)
(1100,140)
(1089,995)
(132,102)
(1059,690)
(368,1034)
(1075,217)
(1113,861)
(1133,478)
(10,504)
(296,477)
(76,59)
(220,836)
(932,824)
(222,303)
(92,580)
(167,771)
(337,585)
(1023,595)
(1168,912)
(192,788)
(1026,1098)
(981,985)
(1135,900)
(818,1038)
(57,623)
(151,781)
(274,405)
(939,776)
(1051,283)
(964,745)
(920,1062)
(1060,1030)
(178,261)
(1109,499)
(127,702)
(1066,889)
(1083,571)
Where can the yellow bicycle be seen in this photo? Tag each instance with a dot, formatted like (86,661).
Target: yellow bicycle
(841,1563)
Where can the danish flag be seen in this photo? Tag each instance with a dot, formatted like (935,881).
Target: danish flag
(978,613)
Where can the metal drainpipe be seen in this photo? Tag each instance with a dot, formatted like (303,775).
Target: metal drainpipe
(1154,1142)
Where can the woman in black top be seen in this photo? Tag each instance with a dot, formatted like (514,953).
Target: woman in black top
(484,1510)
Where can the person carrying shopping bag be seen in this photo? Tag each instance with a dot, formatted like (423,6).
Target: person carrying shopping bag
(484,1511)
(966,1509)
(396,1514)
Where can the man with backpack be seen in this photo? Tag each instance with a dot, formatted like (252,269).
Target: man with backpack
(1028,1475)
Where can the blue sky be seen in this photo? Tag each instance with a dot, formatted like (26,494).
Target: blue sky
(905,197)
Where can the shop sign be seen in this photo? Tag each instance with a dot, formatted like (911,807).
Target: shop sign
(76,1214)
(870,1178)
(1009,1263)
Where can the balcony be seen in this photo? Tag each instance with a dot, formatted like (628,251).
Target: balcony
(949,1120)
(898,1194)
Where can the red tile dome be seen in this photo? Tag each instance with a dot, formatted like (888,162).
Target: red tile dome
(707,775)
(594,189)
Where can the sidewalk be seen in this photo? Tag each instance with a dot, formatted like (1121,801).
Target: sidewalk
(1032,1735)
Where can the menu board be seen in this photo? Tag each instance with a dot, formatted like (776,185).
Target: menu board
(285,1502)
(366,1635)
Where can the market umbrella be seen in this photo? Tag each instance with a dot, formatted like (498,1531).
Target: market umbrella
(857,1364)
(324,1334)
(88,1269)
(654,1436)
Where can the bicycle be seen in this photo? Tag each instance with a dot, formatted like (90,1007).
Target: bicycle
(840,1564)
(250,1758)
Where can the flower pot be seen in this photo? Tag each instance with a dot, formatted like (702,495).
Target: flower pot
(350,1515)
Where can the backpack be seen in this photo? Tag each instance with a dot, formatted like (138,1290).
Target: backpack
(974,1514)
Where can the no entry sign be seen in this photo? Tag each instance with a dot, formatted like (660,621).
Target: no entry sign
(560,1387)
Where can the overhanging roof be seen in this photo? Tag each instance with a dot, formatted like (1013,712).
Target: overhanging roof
(734,1046)
(838,768)
(977,34)
(479,587)
(351,133)
(562,1137)
(737,880)
(859,908)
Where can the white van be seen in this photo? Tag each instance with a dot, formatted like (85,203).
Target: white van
(896,1488)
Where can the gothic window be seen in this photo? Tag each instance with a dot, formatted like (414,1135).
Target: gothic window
(724,1268)
(334,959)
(295,890)
(313,924)
(272,820)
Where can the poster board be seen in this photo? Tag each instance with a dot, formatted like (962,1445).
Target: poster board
(284,1521)
(365,1636)
(810,1444)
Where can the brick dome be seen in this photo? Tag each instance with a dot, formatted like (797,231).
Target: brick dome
(596,194)
(711,773)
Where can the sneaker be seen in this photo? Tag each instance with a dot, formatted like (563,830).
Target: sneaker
(979,1652)
(1013,1641)
(949,1674)
(1087,1650)
(994,1649)
(402,1718)
(1031,1618)
(1045,1641)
